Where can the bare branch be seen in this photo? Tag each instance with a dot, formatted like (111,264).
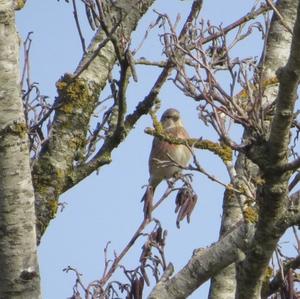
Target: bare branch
(203,264)
(252,15)
(75,13)
(74,92)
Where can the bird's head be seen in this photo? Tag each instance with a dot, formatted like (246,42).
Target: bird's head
(171,118)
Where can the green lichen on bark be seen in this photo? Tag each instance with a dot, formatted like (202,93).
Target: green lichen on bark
(73,94)
(156,123)
(15,128)
(19,4)
(53,205)
(266,282)
(52,172)
(250,214)
(75,105)
(219,149)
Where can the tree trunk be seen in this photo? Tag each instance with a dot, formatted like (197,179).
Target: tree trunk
(276,54)
(18,257)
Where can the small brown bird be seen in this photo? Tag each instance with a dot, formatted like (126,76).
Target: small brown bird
(163,151)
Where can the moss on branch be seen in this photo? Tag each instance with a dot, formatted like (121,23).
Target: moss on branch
(15,128)
(250,214)
(19,4)
(73,93)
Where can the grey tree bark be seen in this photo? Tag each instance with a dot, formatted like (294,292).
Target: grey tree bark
(18,257)
(273,196)
(275,56)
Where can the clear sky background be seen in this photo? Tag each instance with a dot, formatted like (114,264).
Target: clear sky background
(106,207)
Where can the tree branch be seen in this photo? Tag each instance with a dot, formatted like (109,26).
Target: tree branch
(273,195)
(205,263)
(76,101)
(293,165)
(289,80)
(18,253)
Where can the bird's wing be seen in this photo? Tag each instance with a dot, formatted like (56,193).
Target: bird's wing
(162,148)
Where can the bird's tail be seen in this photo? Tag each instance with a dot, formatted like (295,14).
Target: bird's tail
(148,201)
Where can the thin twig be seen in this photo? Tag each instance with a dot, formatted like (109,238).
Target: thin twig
(279,264)
(118,258)
(26,46)
(95,53)
(297,238)
(78,26)
(295,181)
(143,61)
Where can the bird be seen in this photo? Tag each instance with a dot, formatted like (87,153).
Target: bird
(163,152)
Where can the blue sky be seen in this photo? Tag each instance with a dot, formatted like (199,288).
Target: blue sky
(106,207)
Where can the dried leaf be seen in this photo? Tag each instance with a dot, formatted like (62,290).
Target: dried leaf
(191,207)
(159,235)
(145,276)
